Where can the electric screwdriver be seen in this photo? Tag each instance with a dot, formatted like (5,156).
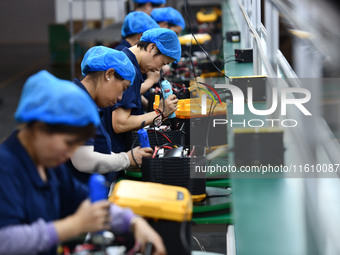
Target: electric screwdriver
(143,138)
(98,191)
(167,91)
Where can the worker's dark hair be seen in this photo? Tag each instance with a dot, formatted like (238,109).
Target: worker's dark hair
(118,76)
(129,36)
(171,25)
(144,45)
(137,5)
(82,132)
(95,75)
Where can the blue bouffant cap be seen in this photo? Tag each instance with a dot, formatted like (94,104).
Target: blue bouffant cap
(48,99)
(101,58)
(166,41)
(168,14)
(137,22)
(151,1)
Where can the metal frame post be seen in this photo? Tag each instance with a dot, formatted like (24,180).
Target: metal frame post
(102,14)
(256,21)
(272,26)
(247,35)
(84,15)
(72,57)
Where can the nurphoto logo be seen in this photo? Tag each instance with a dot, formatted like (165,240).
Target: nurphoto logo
(239,105)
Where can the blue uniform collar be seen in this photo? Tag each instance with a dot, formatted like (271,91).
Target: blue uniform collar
(134,61)
(18,149)
(125,43)
(81,85)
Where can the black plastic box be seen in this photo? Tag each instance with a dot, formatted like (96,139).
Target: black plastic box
(157,139)
(175,171)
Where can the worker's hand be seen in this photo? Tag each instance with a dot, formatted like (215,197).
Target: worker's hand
(144,233)
(170,105)
(92,217)
(166,70)
(153,77)
(139,153)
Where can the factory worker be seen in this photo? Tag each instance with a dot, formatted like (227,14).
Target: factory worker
(170,18)
(41,203)
(135,23)
(148,5)
(157,47)
(107,74)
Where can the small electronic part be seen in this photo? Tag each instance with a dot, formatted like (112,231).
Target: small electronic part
(244,55)
(233,36)
(160,153)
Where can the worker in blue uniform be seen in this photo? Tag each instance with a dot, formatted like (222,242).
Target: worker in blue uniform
(135,23)
(157,47)
(107,73)
(41,203)
(148,5)
(170,18)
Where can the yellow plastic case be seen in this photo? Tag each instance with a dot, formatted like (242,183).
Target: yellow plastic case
(209,15)
(189,39)
(154,200)
(191,107)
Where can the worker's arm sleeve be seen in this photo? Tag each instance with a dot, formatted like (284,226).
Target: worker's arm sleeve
(28,239)
(85,159)
(120,219)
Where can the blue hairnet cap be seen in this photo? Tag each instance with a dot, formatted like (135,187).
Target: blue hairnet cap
(51,100)
(137,22)
(101,58)
(166,41)
(168,14)
(151,1)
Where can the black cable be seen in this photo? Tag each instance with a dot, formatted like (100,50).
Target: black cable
(160,132)
(208,127)
(212,196)
(156,135)
(133,144)
(184,241)
(133,157)
(159,83)
(193,35)
(154,126)
(231,60)
(192,62)
(229,57)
